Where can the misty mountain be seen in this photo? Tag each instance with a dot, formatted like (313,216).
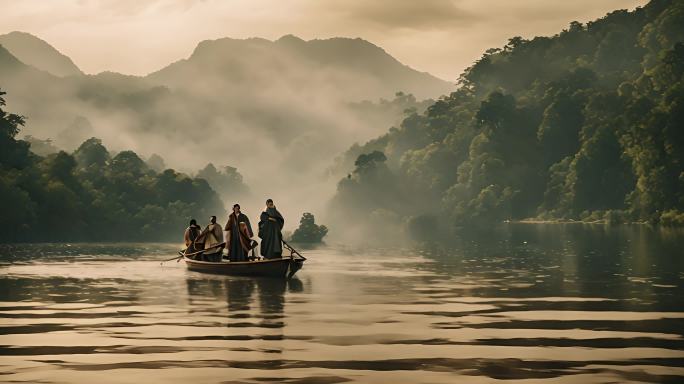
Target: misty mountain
(278,111)
(33,51)
(352,68)
(8,62)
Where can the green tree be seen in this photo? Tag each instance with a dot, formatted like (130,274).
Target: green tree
(86,196)
(308,231)
(585,124)
(227,181)
(13,153)
(91,153)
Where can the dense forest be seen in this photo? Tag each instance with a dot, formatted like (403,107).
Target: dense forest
(90,195)
(584,125)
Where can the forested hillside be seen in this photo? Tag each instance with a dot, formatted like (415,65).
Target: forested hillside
(295,100)
(583,125)
(288,97)
(89,195)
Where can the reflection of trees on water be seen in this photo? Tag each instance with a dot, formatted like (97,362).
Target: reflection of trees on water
(565,260)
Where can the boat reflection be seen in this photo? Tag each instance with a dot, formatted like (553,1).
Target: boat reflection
(260,299)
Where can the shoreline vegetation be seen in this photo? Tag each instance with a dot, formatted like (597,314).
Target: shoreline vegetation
(571,221)
(584,126)
(91,194)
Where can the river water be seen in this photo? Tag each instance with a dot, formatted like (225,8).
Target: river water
(543,303)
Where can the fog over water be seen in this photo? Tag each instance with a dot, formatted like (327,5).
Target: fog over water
(521,223)
(542,303)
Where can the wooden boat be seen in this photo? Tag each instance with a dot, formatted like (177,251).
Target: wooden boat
(283,267)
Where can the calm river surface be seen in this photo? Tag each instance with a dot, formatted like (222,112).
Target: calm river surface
(536,303)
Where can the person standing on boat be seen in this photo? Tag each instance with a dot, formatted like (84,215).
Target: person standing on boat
(270,226)
(212,236)
(239,235)
(191,234)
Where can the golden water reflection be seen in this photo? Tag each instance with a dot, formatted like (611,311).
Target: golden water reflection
(545,304)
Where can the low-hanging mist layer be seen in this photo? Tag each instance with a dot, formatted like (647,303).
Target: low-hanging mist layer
(278,111)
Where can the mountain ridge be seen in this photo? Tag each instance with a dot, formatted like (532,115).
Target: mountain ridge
(333,54)
(353,56)
(263,92)
(36,52)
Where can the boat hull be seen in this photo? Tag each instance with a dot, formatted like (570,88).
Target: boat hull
(285,267)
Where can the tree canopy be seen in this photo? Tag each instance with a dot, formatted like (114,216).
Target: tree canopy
(309,231)
(583,125)
(89,195)
(227,181)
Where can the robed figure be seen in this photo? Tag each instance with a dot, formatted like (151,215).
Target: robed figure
(239,235)
(212,237)
(270,226)
(190,236)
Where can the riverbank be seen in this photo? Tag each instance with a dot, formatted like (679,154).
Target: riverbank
(570,221)
(670,219)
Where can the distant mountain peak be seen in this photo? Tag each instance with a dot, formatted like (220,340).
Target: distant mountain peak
(226,43)
(36,52)
(290,39)
(333,62)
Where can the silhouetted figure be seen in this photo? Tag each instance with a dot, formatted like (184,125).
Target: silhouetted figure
(239,235)
(270,226)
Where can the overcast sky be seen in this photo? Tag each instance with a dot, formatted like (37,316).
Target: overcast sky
(438,36)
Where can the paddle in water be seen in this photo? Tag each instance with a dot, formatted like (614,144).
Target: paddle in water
(292,250)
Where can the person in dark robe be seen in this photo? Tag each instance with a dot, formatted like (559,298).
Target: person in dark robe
(270,226)
(239,235)
(191,234)
(212,236)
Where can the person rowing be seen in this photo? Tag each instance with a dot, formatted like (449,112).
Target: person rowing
(212,236)
(190,236)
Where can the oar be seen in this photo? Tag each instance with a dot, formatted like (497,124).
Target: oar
(182,253)
(288,246)
(205,250)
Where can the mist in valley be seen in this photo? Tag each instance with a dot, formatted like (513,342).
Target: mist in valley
(514,214)
(542,129)
(282,113)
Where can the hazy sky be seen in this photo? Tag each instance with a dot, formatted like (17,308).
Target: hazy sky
(438,36)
